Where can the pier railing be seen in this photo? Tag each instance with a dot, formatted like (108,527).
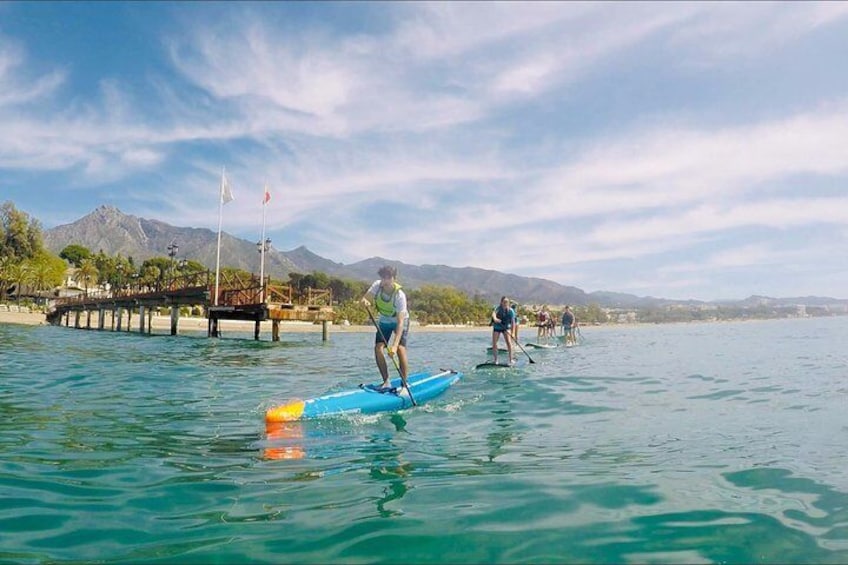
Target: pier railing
(319,297)
(139,288)
(234,289)
(279,294)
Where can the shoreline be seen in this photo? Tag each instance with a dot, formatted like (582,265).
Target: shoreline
(162,324)
(187,323)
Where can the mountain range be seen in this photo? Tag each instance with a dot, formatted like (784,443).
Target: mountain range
(110,230)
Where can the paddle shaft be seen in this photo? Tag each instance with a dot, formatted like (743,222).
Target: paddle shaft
(394,361)
(515,341)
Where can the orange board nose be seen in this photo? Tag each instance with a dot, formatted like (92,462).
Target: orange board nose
(285,412)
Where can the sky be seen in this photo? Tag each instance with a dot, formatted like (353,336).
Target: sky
(670,149)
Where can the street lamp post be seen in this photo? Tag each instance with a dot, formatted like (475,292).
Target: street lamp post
(119,282)
(173,248)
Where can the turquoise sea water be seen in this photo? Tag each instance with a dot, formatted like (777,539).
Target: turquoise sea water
(702,443)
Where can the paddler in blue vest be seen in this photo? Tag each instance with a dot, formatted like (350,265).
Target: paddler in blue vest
(515,328)
(390,301)
(503,318)
(569,322)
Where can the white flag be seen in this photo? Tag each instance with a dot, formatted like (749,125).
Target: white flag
(226,193)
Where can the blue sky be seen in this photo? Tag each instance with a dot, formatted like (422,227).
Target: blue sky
(679,150)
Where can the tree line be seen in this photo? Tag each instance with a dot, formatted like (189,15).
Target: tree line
(23,258)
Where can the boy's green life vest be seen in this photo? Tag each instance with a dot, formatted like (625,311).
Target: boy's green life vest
(386,307)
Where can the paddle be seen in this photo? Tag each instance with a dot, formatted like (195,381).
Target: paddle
(515,341)
(394,361)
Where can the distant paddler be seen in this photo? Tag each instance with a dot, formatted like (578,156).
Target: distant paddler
(390,301)
(543,323)
(569,323)
(503,319)
(515,328)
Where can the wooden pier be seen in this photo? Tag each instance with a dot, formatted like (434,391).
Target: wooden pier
(244,299)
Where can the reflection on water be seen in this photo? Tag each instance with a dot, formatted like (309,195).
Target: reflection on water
(389,469)
(286,439)
(809,506)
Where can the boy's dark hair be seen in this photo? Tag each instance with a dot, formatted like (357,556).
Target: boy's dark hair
(387,271)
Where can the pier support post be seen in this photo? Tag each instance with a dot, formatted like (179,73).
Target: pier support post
(149,321)
(88,319)
(120,318)
(325,331)
(101,318)
(77,319)
(175,319)
(256,326)
(129,319)
(275,330)
(141,319)
(213,328)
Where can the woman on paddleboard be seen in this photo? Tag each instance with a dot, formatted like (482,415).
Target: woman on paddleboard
(390,301)
(503,318)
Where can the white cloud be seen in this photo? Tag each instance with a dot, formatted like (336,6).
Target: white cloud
(141,157)
(705,219)
(673,167)
(724,30)
(439,30)
(16,88)
(300,73)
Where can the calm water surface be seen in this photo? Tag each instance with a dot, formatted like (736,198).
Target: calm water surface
(703,443)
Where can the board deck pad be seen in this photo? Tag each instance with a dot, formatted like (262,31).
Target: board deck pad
(379,389)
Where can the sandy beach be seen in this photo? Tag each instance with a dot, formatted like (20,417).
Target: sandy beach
(162,324)
(23,318)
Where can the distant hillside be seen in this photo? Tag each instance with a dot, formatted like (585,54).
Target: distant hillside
(112,231)
(621,300)
(486,283)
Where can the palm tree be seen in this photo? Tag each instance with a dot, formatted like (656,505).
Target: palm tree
(20,274)
(45,271)
(42,276)
(87,273)
(151,276)
(5,275)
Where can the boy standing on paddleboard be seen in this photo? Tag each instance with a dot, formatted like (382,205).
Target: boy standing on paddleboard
(390,301)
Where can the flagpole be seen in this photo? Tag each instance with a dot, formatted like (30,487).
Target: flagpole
(220,221)
(262,245)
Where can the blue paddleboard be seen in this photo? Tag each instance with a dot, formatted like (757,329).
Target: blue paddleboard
(367,399)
